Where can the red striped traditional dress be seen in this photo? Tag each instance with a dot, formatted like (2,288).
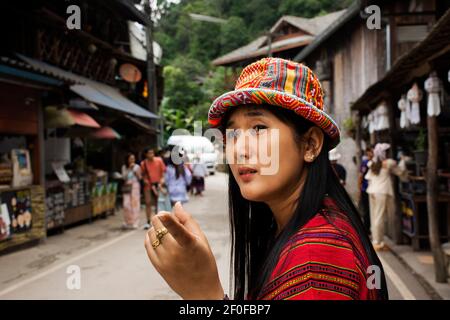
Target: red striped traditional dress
(324,260)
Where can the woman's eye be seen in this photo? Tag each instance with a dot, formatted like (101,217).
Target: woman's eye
(259,128)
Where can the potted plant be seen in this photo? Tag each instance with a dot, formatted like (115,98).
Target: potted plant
(421,154)
(349,127)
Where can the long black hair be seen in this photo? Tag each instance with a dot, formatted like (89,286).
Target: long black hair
(179,167)
(254,247)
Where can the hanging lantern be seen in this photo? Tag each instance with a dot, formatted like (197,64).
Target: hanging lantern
(371,120)
(402,106)
(414,96)
(433,87)
(383,120)
(364,122)
(145,90)
(375,119)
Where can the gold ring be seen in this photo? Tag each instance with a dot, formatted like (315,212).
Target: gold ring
(160,233)
(156,243)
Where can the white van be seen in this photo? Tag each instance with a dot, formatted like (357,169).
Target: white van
(197,145)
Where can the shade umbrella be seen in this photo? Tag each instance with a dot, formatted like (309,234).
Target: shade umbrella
(60,118)
(105,133)
(83,119)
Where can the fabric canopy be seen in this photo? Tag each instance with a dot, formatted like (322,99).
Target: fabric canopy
(60,118)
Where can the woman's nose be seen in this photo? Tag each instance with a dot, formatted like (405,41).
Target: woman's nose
(244,146)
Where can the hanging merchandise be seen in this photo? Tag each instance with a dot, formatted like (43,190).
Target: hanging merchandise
(364,122)
(415,96)
(371,120)
(383,119)
(433,87)
(402,106)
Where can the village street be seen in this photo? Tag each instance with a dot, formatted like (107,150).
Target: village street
(114,265)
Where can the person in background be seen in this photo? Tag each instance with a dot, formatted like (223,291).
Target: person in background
(340,171)
(165,155)
(363,184)
(153,169)
(131,173)
(381,191)
(177,178)
(188,166)
(199,172)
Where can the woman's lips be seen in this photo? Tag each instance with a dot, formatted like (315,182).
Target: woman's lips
(246,174)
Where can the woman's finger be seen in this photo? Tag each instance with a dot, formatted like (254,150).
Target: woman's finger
(179,232)
(150,250)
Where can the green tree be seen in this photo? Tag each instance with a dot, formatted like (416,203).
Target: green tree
(311,8)
(191,82)
(234,34)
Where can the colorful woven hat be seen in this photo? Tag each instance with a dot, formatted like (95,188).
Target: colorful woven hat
(278,82)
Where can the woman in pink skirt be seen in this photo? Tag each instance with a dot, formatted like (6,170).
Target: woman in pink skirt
(131,173)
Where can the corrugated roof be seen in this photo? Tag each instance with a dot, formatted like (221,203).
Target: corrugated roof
(314,26)
(258,48)
(240,53)
(91,90)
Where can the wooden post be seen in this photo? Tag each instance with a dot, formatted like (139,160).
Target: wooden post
(358,139)
(395,223)
(432,194)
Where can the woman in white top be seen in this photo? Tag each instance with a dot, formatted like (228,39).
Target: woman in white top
(381,191)
(131,173)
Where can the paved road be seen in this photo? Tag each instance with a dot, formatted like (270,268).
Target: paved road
(113,263)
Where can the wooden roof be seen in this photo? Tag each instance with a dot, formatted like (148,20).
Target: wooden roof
(259,47)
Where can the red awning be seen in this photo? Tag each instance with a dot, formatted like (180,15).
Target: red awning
(105,133)
(83,119)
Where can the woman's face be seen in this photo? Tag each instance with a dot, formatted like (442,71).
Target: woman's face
(131,159)
(264,156)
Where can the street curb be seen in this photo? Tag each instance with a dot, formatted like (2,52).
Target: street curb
(434,295)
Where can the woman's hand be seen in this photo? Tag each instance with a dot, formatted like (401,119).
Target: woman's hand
(184,258)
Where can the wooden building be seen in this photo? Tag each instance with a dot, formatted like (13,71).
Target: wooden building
(76,74)
(349,56)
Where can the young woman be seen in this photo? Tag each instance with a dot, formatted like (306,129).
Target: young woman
(295,232)
(381,192)
(177,178)
(131,173)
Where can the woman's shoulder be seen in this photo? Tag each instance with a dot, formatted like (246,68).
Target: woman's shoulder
(328,236)
(323,260)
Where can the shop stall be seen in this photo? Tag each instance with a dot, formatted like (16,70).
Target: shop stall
(416,91)
(22,207)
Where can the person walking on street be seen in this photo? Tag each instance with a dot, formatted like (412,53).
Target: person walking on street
(153,169)
(381,191)
(131,189)
(363,184)
(178,178)
(199,172)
